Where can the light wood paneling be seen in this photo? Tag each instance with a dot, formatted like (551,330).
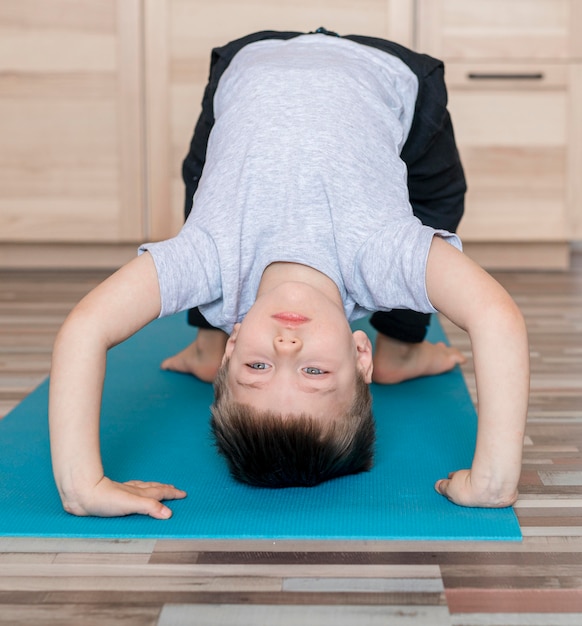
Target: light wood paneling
(76,77)
(71,121)
(575,146)
(500,29)
(65,255)
(526,255)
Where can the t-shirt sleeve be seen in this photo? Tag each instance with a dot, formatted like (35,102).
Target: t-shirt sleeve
(391,268)
(188,271)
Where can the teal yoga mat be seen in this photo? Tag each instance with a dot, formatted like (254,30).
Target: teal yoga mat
(155,427)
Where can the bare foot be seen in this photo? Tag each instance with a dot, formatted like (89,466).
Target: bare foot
(395,361)
(202,357)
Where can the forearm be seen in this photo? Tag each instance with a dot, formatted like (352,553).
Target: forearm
(77,375)
(474,301)
(501,357)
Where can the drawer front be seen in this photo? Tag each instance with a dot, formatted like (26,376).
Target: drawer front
(514,146)
(500,29)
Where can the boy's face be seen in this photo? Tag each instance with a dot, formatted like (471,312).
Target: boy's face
(295,353)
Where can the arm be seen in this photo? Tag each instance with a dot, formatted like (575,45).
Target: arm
(475,302)
(109,314)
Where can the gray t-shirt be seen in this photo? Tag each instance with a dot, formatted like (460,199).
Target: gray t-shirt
(303,166)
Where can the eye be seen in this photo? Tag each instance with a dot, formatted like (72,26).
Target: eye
(258,366)
(314,371)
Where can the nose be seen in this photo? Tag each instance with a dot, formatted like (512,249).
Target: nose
(287,345)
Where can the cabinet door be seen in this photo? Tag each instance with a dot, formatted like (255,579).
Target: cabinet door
(70,121)
(179,37)
(501,30)
(511,124)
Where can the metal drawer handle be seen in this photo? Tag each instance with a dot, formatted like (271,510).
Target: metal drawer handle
(505,76)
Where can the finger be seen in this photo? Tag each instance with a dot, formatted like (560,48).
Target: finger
(441,486)
(143,483)
(156,509)
(165,492)
(159,491)
(151,507)
(127,502)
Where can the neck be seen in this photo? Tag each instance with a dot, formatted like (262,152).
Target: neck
(279,273)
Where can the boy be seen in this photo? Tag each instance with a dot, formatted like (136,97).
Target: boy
(301,221)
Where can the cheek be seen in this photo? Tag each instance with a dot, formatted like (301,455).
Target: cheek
(334,339)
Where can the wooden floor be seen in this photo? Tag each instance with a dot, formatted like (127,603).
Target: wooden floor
(537,582)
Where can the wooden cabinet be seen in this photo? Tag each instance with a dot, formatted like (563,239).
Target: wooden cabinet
(98,100)
(179,37)
(71,118)
(513,74)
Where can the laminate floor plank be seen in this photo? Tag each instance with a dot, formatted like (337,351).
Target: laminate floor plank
(76,614)
(88,546)
(236,615)
(105,571)
(513,619)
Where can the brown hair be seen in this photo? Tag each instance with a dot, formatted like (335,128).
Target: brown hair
(264,450)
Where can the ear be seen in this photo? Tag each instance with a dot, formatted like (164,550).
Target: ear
(364,359)
(231,342)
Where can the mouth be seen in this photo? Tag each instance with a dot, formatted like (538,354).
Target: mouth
(291,318)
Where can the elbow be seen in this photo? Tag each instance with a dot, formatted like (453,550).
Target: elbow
(499,322)
(500,311)
(512,318)
(81,327)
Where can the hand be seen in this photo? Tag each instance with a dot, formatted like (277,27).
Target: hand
(460,489)
(111,499)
